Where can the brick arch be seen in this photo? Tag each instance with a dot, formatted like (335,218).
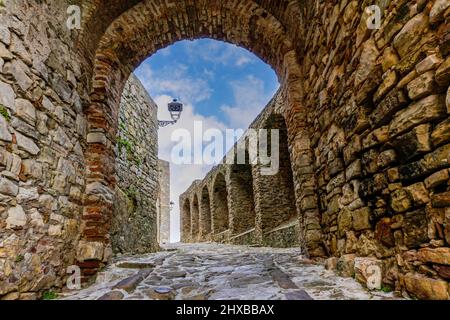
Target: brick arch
(140,31)
(205,213)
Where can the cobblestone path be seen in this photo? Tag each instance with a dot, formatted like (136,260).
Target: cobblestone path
(220,272)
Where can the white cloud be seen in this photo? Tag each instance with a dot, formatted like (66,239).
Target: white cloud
(218,52)
(181,176)
(250,99)
(174,80)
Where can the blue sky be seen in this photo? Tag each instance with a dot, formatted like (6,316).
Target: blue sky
(220,84)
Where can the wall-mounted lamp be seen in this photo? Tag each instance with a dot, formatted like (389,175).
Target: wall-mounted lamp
(175,109)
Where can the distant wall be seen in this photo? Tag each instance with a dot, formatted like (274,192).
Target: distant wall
(134,221)
(164,202)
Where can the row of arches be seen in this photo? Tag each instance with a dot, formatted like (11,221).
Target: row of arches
(117,36)
(236,199)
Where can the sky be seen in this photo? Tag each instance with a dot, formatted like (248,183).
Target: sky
(219,84)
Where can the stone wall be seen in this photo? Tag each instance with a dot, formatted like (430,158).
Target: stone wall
(43,135)
(134,221)
(366,114)
(236,203)
(380,135)
(164,202)
(378,100)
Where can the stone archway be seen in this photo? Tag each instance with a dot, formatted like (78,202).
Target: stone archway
(205,213)
(220,211)
(186,219)
(242,204)
(195,219)
(278,216)
(139,31)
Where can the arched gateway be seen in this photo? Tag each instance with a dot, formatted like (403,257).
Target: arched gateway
(366,111)
(138,32)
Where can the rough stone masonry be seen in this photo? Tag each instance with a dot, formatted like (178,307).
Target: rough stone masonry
(365,114)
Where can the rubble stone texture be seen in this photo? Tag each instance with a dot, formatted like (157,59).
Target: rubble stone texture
(163,203)
(221,272)
(366,114)
(134,218)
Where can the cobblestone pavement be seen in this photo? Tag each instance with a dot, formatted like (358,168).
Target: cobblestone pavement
(221,272)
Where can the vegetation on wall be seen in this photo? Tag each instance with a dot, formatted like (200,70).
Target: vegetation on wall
(3,111)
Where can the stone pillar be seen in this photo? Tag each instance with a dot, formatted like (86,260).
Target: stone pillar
(205,214)
(195,219)
(164,202)
(240,195)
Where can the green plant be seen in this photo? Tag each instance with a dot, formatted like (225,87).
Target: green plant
(386,289)
(124,143)
(49,295)
(19,258)
(4,112)
(137,161)
(131,192)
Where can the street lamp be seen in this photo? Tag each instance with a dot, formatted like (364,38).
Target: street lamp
(175,109)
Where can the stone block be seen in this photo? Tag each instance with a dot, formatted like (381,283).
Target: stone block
(352,149)
(96,137)
(5,135)
(429,63)
(422,86)
(425,110)
(441,133)
(389,59)
(386,158)
(26,111)
(376,137)
(426,288)
(16,218)
(367,61)
(353,170)
(384,232)
(346,266)
(390,79)
(344,221)
(437,10)
(410,34)
(418,193)
(447,100)
(435,255)
(441,200)
(400,200)
(89,250)
(8,187)
(386,109)
(439,158)
(414,228)
(442,75)
(360,218)
(437,178)
(26,144)
(7,96)
(331,263)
